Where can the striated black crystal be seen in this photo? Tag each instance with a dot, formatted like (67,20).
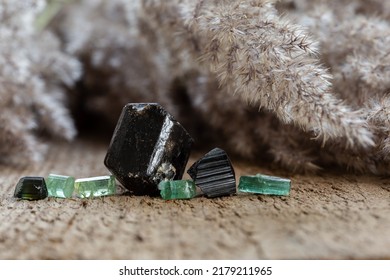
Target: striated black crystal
(214,174)
(148,145)
(31,188)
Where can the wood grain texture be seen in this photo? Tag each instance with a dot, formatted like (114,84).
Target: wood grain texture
(330,216)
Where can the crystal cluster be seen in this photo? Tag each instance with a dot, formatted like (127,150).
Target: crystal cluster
(148,154)
(148,146)
(60,186)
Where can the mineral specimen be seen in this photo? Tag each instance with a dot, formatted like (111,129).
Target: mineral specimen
(148,146)
(60,186)
(31,188)
(214,174)
(263,184)
(95,186)
(177,189)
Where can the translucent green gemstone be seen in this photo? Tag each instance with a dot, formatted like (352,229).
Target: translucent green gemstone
(60,186)
(31,188)
(95,186)
(177,189)
(263,184)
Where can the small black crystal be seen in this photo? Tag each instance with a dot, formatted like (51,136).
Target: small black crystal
(148,145)
(31,188)
(214,174)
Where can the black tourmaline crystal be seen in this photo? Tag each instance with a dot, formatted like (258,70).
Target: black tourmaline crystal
(214,174)
(148,145)
(31,188)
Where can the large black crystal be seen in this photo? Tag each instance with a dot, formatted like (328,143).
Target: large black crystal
(148,145)
(214,174)
(31,188)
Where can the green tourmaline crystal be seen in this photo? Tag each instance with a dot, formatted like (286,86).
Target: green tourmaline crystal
(60,186)
(263,184)
(31,188)
(177,189)
(95,186)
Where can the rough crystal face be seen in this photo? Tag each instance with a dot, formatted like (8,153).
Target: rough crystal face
(31,188)
(148,146)
(177,189)
(214,174)
(95,186)
(264,184)
(60,186)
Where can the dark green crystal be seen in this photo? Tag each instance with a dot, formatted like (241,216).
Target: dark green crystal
(31,188)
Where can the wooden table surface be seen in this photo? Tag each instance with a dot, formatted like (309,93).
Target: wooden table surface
(328,216)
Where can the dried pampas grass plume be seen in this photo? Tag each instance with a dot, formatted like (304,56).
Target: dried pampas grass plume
(272,63)
(306,89)
(33,74)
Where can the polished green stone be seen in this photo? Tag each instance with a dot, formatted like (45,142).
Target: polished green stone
(95,186)
(60,186)
(31,188)
(177,189)
(264,184)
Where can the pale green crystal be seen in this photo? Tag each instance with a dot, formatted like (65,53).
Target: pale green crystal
(60,186)
(177,189)
(95,186)
(264,184)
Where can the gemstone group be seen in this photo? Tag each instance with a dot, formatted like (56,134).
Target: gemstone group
(264,184)
(60,186)
(148,154)
(31,188)
(95,186)
(177,189)
(214,174)
(148,146)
